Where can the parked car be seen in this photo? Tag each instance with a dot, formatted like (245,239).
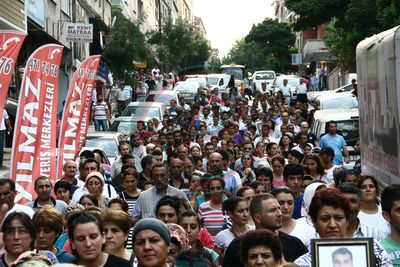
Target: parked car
(332,101)
(103,153)
(219,81)
(162,96)
(347,123)
(188,89)
(107,141)
(124,125)
(201,80)
(263,76)
(144,110)
(313,95)
(293,81)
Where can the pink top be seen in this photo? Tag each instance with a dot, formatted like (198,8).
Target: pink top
(278,183)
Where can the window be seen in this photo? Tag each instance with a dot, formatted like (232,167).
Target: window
(65,4)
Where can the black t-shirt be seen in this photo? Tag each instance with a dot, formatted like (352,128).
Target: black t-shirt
(292,249)
(113,261)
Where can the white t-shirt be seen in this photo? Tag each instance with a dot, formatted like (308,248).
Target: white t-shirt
(108,191)
(305,231)
(301,89)
(2,123)
(375,220)
(328,178)
(223,239)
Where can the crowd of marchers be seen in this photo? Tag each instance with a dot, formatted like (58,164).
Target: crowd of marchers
(226,180)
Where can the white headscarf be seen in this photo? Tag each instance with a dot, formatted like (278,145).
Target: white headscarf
(309,193)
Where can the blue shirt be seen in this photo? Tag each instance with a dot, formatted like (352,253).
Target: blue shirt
(337,143)
(297,207)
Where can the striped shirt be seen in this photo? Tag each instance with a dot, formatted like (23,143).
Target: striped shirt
(131,201)
(213,219)
(100,111)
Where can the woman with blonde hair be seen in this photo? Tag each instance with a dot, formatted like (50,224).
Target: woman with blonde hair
(116,231)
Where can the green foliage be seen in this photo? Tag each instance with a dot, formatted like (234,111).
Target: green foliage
(178,45)
(248,54)
(127,44)
(362,18)
(315,12)
(270,41)
(348,22)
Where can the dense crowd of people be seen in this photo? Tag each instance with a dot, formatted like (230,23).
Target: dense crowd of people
(223,181)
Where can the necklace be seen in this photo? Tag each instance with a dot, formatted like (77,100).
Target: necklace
(237,234)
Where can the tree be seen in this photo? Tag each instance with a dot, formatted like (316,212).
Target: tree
(248,54)
(127,44)
(362,18)
(178,44)
(274,39)
(312,13)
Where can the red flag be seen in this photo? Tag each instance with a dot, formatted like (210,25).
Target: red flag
(76,116)
(10,44)
(34,143)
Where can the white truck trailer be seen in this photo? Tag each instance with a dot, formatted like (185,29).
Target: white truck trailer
(378,78)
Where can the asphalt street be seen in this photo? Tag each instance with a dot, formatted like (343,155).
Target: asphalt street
(5,170)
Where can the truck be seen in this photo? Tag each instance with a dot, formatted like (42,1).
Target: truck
(238,71)
(378,79)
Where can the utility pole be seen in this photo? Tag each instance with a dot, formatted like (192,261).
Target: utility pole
(159,26)
(159,19)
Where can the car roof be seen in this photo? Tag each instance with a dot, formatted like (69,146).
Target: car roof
(326,97)
(130,118)
(146,104)
(281,77)
(337,114)
(163,92)
(259,71)
(218,75)
(189,81)
(103,134)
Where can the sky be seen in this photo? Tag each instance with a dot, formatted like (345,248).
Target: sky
(226,21)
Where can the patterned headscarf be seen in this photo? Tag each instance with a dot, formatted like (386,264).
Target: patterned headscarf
(179,234)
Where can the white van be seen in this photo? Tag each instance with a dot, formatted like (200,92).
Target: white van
(219,81)
(347,123)
(263,76)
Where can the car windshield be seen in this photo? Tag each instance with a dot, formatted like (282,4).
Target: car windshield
(292,82)
(343,102)
(125,127)
(159,97)
(212,80)
(235,71)
(266,75)
(142,111)
(191,86)
(109,145)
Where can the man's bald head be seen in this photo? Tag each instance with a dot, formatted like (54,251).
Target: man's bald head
(70,167)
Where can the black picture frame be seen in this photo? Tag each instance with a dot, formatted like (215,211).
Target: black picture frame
(325,252)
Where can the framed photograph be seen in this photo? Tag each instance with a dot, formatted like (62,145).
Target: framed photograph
(349,252)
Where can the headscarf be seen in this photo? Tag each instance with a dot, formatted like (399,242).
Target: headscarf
(179,234)
(309,193)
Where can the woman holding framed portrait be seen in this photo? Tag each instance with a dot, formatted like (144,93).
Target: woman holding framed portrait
(330,213)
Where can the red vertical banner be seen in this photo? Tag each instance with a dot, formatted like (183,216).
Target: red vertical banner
(34,142)
(10,44)
(76,115)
